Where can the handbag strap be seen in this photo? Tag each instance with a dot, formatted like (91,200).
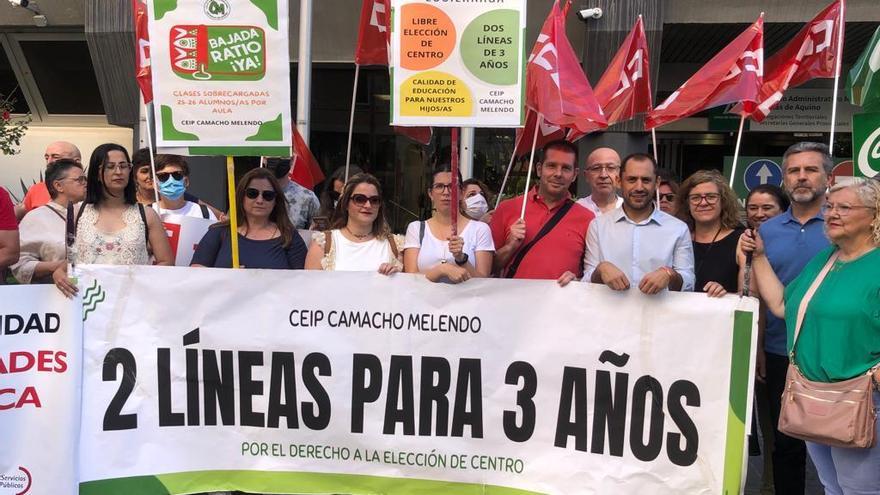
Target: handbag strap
(805,301)
(511,270)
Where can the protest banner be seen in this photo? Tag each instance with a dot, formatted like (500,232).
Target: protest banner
(221,76)
(458,64)
(297,382)
(184,234)
(40,349)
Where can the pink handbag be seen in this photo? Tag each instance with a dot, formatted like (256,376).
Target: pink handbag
(839,414)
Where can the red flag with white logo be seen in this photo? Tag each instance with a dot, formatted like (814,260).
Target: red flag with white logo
(625,88)
(143,74)
(556,86)
(373,33)
(811,54)
(733,75)
(546,133)
(304,170)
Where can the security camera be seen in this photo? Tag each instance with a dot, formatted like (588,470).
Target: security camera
(26,4)
(594,13)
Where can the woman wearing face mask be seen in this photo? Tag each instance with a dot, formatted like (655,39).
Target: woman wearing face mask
(432,249)
(475,200)
(359,239)
(172,176)
(330,196)
(266,238)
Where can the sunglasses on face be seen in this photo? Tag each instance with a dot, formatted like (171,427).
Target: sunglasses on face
(163,176)
(251,193)
(670,197)
(362,199)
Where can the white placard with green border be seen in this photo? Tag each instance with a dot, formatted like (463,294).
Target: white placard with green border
(272,381)
(458,64)
(221,80)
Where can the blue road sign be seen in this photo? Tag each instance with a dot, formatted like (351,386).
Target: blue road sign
(762,172)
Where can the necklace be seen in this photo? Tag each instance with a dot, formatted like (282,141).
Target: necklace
(358,236)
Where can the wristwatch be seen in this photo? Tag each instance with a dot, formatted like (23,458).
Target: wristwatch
(463,260)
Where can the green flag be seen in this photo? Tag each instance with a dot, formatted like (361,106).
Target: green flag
(863,82)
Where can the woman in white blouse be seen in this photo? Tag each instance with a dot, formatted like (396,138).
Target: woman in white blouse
(430,247)
(359,238)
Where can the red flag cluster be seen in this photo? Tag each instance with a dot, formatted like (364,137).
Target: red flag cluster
(374,36)
(304,169)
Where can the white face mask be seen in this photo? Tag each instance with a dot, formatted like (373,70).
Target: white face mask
(476,206)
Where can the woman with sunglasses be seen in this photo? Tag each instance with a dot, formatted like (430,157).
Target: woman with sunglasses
(359,238)
(709,207)
(112,228)
(432,249)
(266,238)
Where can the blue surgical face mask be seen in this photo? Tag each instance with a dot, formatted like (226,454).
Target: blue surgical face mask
(172,188)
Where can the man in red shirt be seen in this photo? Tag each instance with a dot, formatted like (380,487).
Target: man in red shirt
(561,248)
(9,247)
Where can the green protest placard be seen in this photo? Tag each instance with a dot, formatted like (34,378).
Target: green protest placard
(866,144)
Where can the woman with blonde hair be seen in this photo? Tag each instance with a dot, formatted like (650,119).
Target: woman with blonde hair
(709,206)
(359,238)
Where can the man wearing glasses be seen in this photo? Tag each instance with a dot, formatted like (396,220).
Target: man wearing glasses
(42,231)
(603,176)
(791,239)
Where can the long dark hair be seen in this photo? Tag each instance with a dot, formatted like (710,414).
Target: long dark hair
(279,210)
(95,175)
(340,215)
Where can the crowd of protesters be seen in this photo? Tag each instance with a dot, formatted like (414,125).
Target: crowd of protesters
(639,229)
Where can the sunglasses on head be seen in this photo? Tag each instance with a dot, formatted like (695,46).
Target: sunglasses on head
(163,176)
(252,193)
(362,199)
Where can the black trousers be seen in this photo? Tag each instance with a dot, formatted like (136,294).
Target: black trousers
(789,454)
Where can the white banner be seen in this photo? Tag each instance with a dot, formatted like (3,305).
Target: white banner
(40,346)
(303,382)
(221,76)
(184,234)
(458,64)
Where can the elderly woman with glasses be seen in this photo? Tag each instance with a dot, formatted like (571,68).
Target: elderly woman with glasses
(709,206)
(359,238)
(839,338)
(432,248)
(112,228)
(266,238)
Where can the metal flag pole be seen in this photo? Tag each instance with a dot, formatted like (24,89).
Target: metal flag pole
(840,27)
(654,141)
(506,175)
(742,121)
(152,158)
(522,214)
(357,71)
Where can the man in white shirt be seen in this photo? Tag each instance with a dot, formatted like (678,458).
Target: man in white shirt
(603,175)
(637,244)
(172,178)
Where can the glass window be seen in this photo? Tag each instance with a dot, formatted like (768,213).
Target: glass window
(64,75)
(9,85)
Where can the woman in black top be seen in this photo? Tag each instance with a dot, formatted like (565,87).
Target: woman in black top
(266,238)
(709,207)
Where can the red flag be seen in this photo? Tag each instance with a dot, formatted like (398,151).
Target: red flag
(524,136)
(421,135)
(143,72)
(733,75)
(556,86)
(305,170)
(625,88)
(810,54)
(373,33)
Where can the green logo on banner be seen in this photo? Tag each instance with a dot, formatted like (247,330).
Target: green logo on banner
(217,9)
(220,53)
(866,144)
(93,296)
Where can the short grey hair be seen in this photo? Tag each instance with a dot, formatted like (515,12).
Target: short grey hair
(868,191)
(804,146)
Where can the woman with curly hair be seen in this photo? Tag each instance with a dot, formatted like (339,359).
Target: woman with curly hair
(359,238)
(709,207)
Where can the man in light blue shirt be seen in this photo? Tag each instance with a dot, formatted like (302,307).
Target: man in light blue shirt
(637,244)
